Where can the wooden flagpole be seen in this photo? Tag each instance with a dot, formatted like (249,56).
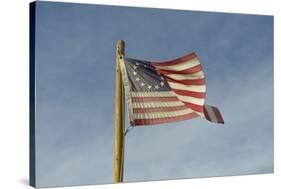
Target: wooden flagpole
(119,116)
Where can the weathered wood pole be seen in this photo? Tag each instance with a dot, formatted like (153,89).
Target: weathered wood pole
(119,116)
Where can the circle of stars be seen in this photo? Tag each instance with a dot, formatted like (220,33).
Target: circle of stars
(142,83)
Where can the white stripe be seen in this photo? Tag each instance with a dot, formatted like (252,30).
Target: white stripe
(193,88)
(156,115)
(211,114)
(200,114)
(157,104)
(193,100)
(181,66)
(153,94)
(196,75)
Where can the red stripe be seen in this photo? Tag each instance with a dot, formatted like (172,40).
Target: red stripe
(159,109)
(186,71)
(189,93)
(218,115)
(194,107)
(175,61)
(164,120)
(188,81)
(206,114)
(154,99)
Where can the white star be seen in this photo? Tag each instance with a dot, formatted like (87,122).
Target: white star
(162,83)
(156,87)
(162,78)
(135,73)
(137,78)
(149,86)
(144,65)
(135,67)
(137,64)
(142,84)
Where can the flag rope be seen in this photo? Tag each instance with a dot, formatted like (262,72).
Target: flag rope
(128,129)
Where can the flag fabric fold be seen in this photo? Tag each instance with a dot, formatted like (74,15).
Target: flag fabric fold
(162,92)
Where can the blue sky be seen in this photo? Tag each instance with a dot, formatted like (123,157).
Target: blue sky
(75,85)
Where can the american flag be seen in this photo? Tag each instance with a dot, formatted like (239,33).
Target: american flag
(162,92)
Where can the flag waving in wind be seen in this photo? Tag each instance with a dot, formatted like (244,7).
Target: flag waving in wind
(162,92)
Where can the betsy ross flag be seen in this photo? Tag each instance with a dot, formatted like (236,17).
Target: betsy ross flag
(162,92)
